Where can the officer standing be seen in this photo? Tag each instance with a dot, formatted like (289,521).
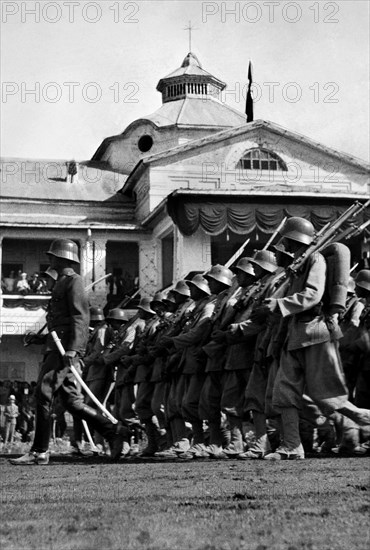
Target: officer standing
(68,316)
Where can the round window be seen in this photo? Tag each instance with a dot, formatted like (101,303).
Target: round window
(145,143)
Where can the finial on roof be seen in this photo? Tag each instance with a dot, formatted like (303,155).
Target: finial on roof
(191,59)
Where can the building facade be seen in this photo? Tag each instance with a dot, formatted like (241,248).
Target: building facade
(178,190)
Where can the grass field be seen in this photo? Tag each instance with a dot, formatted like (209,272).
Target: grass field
(89,503)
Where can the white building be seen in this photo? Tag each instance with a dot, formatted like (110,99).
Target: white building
(178,190)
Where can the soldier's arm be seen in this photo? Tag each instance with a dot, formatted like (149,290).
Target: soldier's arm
(196,334)
(79,313)
(122,350)
(312,292)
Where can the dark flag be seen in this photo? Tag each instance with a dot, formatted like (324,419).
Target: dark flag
(249,102)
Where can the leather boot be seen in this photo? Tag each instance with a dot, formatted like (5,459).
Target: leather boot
(151,433)
(360,416)
(236,445)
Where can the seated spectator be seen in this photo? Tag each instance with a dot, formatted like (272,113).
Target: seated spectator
(36,284)
(9,283)
(22,285)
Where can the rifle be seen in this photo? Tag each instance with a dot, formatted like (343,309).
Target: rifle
(275,233)
(238,253)
(328,234)
(353,231)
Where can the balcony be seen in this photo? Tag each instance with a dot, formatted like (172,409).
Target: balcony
(21,314)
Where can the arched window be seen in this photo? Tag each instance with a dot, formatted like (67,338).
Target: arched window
(261,159)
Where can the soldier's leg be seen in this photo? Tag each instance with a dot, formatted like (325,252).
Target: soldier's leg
(145,413)
(326,385)
(73,401)
(190,406)
(157,403)
(233,405)
(210,406)
(43,395)
(287,398)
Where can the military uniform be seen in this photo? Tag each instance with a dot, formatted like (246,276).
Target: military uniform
(192,363)
(210,397)
(97,377)
(68,316)
(310,356)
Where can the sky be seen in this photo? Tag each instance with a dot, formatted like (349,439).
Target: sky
(74,72)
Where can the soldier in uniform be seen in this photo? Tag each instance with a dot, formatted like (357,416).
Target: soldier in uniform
(350,326)
(96,377)
(68,316)
(172,373)
(191,363)
(221,284)
(241,338)
(361,347)
(310,356)
(145,362)
(139,372)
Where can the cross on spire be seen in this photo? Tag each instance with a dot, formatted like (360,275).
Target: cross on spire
(190,28)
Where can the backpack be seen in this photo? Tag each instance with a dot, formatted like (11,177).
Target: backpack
(338,262)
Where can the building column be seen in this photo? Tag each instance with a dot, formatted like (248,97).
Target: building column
(191,253)
(97,266)
(1,268)
(86,260)
(149,267)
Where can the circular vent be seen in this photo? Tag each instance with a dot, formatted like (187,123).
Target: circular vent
(145,143)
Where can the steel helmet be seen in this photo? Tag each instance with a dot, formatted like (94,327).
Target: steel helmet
(363,279)
(170,298)
(182,288)
(157,299)
(51,273)
(221,274)
(96,314)
(64,248)
(117,314)
(12,397)
(145,305)
(200,282)
(245,266)
(280,248)
(265,259)
(298,229)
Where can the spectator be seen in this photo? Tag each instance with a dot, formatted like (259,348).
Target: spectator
(11,415)
(36,283)
(9,282)
(22,285)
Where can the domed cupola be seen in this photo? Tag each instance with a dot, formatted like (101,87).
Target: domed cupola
(189,81)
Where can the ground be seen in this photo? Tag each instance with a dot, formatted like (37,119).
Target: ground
(89,503)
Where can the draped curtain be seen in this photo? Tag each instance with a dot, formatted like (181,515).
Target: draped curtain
(29,305)
(243,217)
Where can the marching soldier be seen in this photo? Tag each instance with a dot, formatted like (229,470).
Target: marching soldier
(190,342)
(350,326)
(95,375)
(68,316)
(310,354)
(220,280)
(172,373)
(140,371)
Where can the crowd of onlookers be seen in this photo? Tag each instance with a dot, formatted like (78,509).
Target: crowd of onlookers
(24,284)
